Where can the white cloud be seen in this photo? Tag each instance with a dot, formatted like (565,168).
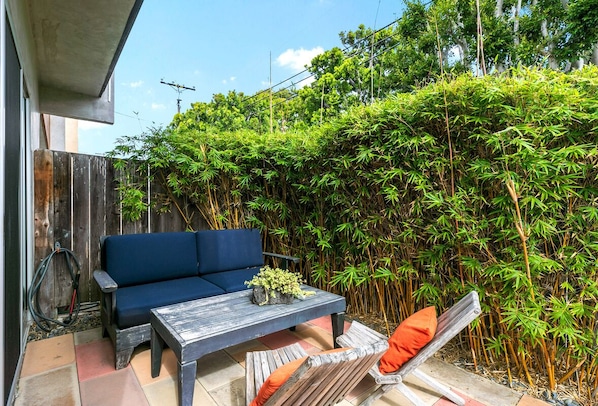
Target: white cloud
(233,78)
(158,106)
(296,59)
(139,83)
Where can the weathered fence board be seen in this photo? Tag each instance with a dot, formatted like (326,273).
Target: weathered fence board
(44,233)
(100,191)
(62,229)
(81,216)
(76,202)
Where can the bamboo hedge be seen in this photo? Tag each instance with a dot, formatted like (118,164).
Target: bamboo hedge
(486,184)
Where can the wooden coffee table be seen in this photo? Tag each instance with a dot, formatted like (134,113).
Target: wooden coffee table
(199,327)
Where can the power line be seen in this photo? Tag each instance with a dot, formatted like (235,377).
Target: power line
(348,56)
(345,51)
(353,47)
(136,117)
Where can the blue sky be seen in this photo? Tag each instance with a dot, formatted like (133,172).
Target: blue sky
(216,46)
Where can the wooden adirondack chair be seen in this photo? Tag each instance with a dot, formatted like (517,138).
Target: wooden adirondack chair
(322,379)
(450,323)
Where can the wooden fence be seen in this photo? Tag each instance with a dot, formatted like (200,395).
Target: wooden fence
(76,202)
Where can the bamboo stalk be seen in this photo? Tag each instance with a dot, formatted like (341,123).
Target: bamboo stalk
(176,204)
(549,365)
(528,376)
(571,371)
(481,345)
(472,346)
(508,366)
(519,226)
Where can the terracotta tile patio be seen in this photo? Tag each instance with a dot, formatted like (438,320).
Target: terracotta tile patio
(78,369)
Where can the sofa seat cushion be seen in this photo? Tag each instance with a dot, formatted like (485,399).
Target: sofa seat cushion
(133,303)
(133,259)
(227,250)
(232,281)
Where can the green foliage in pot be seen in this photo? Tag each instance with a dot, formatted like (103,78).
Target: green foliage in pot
(276,281)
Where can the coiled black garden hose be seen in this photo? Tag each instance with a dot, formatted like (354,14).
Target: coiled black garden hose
(42,320)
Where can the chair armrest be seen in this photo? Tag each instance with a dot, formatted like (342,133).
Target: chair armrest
(104,281)
(285,258)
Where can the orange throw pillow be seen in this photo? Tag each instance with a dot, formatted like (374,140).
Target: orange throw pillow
(280,376)
(410,336)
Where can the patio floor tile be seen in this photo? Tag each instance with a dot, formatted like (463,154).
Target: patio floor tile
(44,355)
(315,336)
(218,369)
(325,323)
(527,400)
(119,388)
(94,359)
(281,339)
(468,401)
(141,364)
(237,352)
(164,393)
(58,386)
(231,394)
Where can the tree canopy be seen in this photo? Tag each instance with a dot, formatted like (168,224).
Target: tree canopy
(440,37)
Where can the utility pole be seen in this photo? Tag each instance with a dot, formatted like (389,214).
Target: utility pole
(179,89)
(271,92)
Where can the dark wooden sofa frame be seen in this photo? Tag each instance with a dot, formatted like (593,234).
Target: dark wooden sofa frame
(125,339)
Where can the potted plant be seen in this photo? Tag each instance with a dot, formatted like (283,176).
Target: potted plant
(275,285)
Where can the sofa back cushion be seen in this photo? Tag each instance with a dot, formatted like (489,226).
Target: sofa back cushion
(134,259)
(225,250)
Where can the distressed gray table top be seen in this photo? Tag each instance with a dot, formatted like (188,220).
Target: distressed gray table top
(198,327)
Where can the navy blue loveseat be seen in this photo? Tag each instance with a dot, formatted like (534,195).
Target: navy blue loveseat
(143,271)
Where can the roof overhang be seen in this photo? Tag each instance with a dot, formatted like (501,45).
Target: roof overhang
(77,45)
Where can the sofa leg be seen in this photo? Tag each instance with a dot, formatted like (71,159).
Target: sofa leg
(123,357)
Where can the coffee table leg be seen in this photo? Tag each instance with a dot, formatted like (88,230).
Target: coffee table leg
(156,345)
(338,326)
(186,382)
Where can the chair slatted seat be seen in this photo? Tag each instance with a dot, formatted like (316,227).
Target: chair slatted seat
(322,379)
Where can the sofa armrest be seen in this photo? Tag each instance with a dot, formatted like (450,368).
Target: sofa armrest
(104,281)
(285,258)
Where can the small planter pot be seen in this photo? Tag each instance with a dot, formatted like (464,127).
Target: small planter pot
(259,297)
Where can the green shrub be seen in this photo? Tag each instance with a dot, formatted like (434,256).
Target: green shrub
(474,183)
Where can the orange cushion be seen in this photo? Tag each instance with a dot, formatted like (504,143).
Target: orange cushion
(410,336)
(280,376)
